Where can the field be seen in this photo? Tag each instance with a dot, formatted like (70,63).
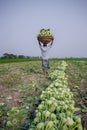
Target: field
(22,83)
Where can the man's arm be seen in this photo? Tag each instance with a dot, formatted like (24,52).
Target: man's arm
(52,42)
(39,43)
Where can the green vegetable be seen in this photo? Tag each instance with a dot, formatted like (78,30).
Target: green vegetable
(45,32)
(49,125)
(40,126)
(69,121)
(53,116)
(47,114)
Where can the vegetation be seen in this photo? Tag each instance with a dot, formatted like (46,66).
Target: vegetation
(22,83)
(16,58)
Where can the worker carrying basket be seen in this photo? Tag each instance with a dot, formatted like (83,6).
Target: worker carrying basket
(45,39)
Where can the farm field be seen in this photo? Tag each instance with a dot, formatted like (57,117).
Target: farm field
(22,83)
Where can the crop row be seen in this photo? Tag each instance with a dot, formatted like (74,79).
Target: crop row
(57,111)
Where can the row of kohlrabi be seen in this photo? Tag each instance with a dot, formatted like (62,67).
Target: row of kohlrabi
(56,111)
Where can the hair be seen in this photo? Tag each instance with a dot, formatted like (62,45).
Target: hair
(44,45)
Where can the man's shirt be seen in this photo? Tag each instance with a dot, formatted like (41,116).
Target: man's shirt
(45,51)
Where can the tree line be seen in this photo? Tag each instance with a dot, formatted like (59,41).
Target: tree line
(12,56)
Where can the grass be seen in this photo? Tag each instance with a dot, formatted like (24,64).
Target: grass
(18,60)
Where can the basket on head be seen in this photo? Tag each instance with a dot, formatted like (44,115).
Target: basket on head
(45,39)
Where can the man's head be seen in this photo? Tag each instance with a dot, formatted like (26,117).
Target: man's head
(44,44)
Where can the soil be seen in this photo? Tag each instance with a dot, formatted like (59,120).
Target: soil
(80,93)
(83,98)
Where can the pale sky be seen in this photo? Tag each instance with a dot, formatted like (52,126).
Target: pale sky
(21,21)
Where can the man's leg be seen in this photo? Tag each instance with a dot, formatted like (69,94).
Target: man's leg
(45,66)
(45,71)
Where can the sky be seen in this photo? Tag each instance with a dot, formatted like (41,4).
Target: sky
(21,21)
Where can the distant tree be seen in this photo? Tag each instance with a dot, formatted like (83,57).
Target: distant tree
(5,55)
(12,56)
(21,56)
(8,56)
(28,57)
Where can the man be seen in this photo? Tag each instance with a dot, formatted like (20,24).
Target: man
(45,56)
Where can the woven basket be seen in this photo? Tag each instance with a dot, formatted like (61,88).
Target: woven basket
(45,39)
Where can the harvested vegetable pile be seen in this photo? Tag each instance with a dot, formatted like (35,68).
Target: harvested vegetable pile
(45,32)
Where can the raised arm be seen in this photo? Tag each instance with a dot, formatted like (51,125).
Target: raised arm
(52,42)
(39,43)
